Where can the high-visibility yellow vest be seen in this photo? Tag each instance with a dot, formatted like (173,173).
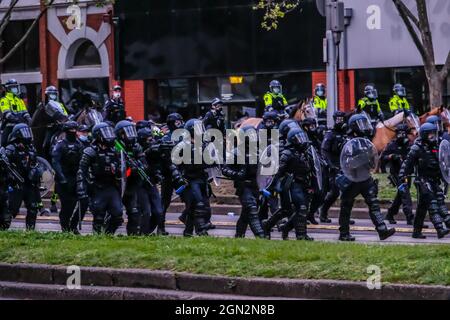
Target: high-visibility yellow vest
(397,103)
(320,103)
(12,103)
(270,98)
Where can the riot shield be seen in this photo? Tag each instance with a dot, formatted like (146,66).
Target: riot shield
(55,111)
(358,158)
(268,165)
(213,158)
(413,121)
(93,117)
(48,177)
(318,174)
(444,160)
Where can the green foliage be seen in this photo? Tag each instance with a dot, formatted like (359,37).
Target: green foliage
(419,264)
(275,10)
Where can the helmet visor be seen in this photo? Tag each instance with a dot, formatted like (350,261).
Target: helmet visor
(414,121)
(364,124)
(26,133)
(277,89)
(301,138)
(401,92)
(107,133)
(372,93)
(130,132)
(93,118)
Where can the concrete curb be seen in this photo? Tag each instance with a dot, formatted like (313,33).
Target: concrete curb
(251,287)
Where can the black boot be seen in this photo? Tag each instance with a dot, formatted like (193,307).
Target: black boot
(442,233)
(410,220)
(299,222)
(255,223)
(269,223)
(390,218)
(323,216)
(241,227)
(161,231)
(384,232)
(346,237)
(312,219)
(417,234)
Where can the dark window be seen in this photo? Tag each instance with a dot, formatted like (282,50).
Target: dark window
(87,55)
(26,58)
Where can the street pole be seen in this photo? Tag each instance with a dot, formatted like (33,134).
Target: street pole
(332,92)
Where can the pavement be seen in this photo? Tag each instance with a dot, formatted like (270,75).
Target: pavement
(363,230)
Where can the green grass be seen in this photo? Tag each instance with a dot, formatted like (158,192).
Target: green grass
(424,264)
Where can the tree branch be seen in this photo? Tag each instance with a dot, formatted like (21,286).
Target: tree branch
(425,31)
(446,68)
(25,36)
(7,16)
(412,32)
(408,13)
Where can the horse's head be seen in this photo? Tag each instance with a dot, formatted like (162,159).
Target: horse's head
(307,110)
(413,122)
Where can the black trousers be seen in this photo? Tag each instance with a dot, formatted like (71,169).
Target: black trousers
(30,195)
(369,190)
(248,196)
(5,217)
(130,201)
(198,209)
(402,198)
(106,207)
(331,196)
(69,202)
(150,207)
(430,200)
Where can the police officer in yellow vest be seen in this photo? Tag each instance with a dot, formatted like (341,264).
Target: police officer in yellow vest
(320,101)
(274,100)
(398,102)
(370,104)
(13,108)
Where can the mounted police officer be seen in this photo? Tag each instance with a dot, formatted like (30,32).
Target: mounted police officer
(398,102)
(214,118)
(395,154)
(370,104)
(359,149)
(244,172)
(424,158)
(331,151)
(320,101)
(21,152)
(114,109)
(13,109)
(99,176)
(66,156)
(296,169)
(274,100)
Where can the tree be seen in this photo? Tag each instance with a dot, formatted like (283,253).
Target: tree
(45,4)
(418,27)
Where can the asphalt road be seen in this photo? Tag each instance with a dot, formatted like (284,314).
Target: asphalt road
(363,230)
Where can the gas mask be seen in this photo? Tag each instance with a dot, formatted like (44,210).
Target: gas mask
(71,135)
(53,97)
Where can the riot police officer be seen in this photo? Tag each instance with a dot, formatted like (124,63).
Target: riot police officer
(194,176)
(114,109)
(423,156)
(360,127)
(370,103)
(437,121)
(309,125)
(394,154)
(7,181)
(99,176)
(297,171)
(244,176)
(274,100)
(398,102)
(331,150)
(320,101)
(136,164)
(13,109)
(214,118)
(66,156)
(22,154)
(269,121)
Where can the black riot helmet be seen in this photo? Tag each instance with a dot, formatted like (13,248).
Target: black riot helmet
(276,87)
(320,90)
(309,125)
(21,133)
(429,133)
(216,104)
(195,127)
(126,132)
(360,126)
(401,132)
(285,126)
(144,137)
(270,119)
(70,128)
(298,139)
(174,121)
(437,121)
(103,133)
(339,120)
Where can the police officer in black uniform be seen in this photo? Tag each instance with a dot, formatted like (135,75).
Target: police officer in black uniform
(360,127)
(99,176)
(297,170)
(197,191)
(127,137)
(6,180)
(114,109)
(214,118)
(394,154)
(66,156)
(244,172)
(331,151)
(424,157)
(22,154)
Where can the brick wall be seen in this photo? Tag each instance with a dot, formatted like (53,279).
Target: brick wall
(133,91)
(346,87)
